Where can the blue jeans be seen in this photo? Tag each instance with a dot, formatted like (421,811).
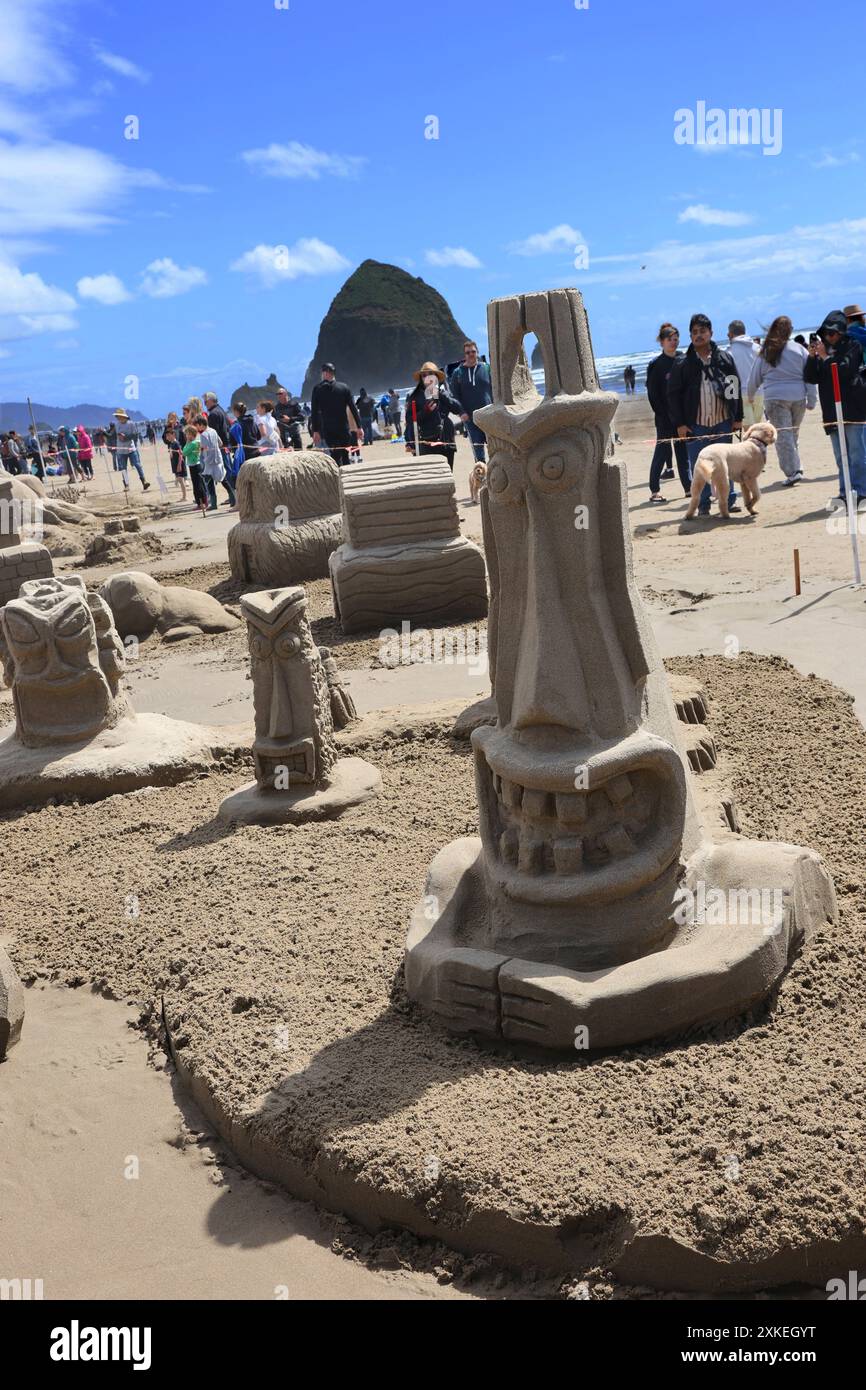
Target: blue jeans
(855,440)
(367,427)
(478,439)
(700,436)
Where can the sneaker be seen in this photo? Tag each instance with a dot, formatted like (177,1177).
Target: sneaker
(735,507)
(668,473)
(656,497)
(837,504)
(703,511)
(145,486)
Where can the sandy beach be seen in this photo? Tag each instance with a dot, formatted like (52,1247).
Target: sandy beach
(244,934)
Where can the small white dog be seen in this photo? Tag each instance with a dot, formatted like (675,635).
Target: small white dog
(723,464)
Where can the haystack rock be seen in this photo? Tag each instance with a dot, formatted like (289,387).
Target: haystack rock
(381,326)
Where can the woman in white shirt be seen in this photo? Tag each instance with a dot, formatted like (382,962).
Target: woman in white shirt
(778,370)
(269,434)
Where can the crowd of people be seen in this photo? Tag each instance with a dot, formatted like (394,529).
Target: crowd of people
(709,392)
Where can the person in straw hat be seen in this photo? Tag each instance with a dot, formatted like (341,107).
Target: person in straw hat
(856,319)
(430,407)
(127,448)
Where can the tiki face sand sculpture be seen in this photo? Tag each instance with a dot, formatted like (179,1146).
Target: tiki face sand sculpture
(299,775)
(64,661)
(565,914)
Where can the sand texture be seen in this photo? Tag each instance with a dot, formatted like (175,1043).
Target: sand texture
(730,1159)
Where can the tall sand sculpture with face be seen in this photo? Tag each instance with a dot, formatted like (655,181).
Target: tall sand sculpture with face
(564,922)
(298,700)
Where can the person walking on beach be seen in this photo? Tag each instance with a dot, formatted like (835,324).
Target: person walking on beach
(213,463)
(333,415)
(836,346)
(394,415)
(471,387)
(855,318)
(126,449)
(744,350)
(289,417)
(432,405)
(171,438)
(269,434)
(366,408)
(705,400)
(85,452)
(778,371)
(192,459)
(249,430)
(657,376)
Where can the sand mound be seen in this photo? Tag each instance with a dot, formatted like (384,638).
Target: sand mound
(710,1162)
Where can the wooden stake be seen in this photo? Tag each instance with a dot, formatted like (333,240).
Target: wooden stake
(796,572)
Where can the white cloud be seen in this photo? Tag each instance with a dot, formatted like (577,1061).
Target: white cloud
(714,217)
(47,323)
(27,293)
(32,57)
(828,248)
(162,279)
(297,161)
(105,289)
(453,256)
(828,160)
(559,238)
(273,264)
(124,67)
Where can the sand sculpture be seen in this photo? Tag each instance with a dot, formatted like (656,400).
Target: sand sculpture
(404,556)
(75,733)
(141,605)
(289,507)
(11,1005)
(299,702)
(579,917)
(19,559)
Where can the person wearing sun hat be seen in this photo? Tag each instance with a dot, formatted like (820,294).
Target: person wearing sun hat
(127,448)
(431,404)
(855,317)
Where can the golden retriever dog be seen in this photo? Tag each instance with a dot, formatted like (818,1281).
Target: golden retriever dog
(723,464)
(477,479)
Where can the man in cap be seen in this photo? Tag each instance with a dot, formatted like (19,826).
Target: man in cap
(837,346)
(470,385)
(126,448)
(333,414)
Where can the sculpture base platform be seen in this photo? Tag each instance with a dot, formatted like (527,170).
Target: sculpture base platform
(11,1005)
(715,967)
(353,781)
(140,751)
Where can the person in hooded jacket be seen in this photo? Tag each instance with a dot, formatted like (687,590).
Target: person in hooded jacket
(657,376)
(836,347)
(431,404)
(471,386)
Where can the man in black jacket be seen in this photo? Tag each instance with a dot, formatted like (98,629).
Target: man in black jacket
(705,401)
(835,345)
(332,409)
(289,417)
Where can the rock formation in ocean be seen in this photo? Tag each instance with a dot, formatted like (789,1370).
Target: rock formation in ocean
(381,326)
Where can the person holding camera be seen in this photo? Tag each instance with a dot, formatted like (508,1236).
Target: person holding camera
(834,346)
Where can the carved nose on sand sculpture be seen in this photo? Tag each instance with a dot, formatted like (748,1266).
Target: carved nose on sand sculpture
(280,726)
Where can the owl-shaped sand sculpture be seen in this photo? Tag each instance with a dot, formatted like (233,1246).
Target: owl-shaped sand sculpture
(299,701)
(570,920)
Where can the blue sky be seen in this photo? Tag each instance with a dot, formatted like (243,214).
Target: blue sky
(278,147)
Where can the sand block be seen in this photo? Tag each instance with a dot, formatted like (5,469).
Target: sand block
(290,521)
(352,781)
(139,751)
(385,503)
(425,581)
(11,1005)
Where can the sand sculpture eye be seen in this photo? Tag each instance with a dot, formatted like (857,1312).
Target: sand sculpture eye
(552,473)
(21,630)
(503,478)
(289,645)
(260,647)
(75,624)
